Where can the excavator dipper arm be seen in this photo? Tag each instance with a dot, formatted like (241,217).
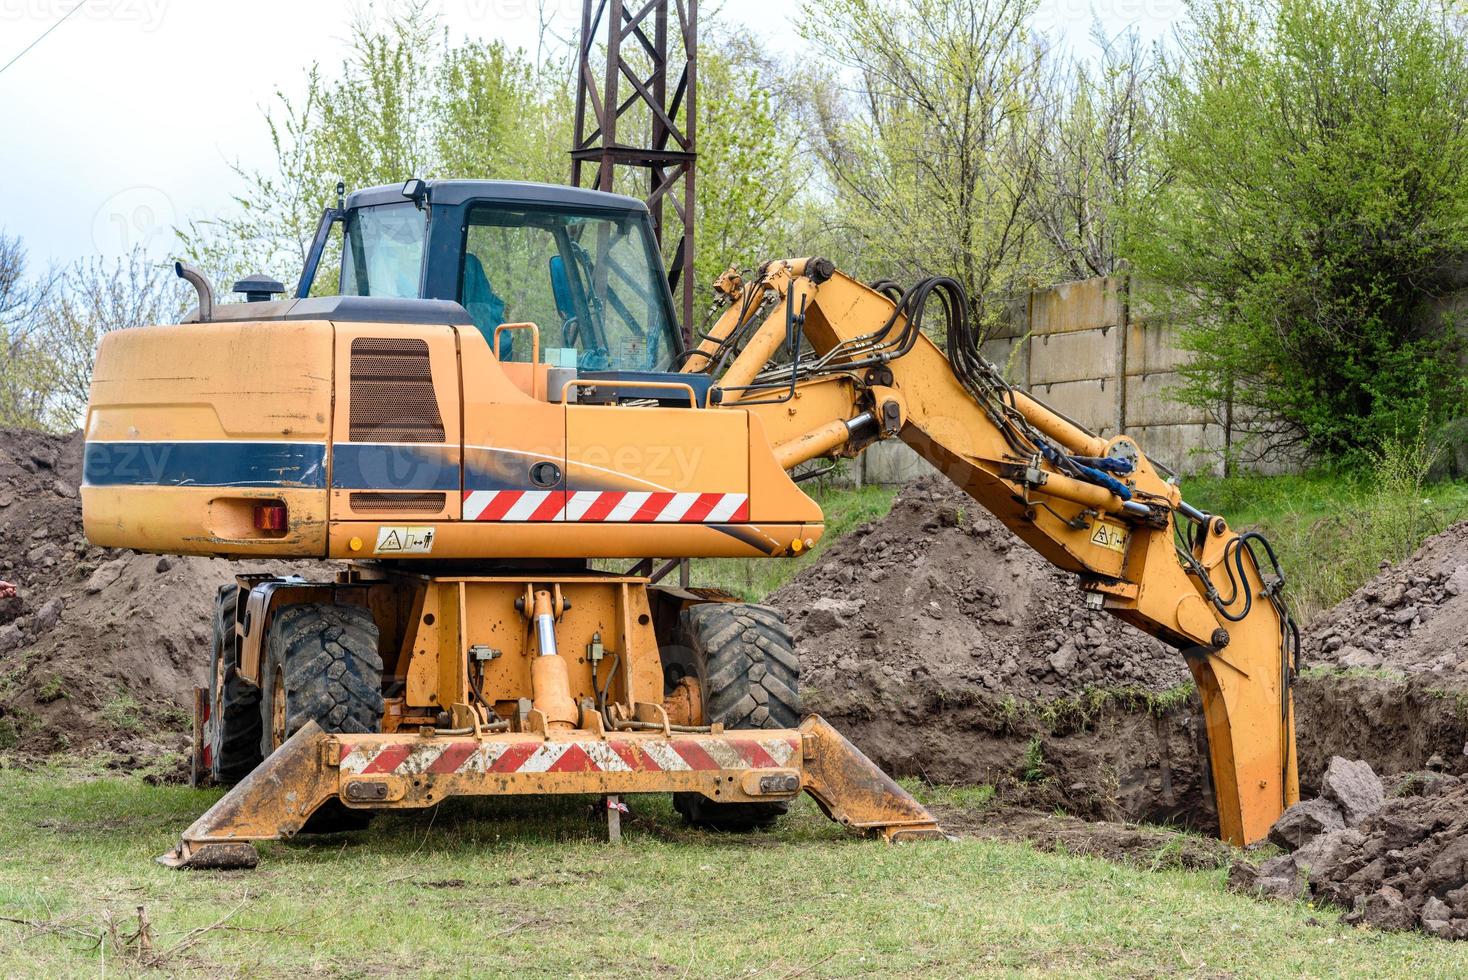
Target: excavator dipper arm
(831,365)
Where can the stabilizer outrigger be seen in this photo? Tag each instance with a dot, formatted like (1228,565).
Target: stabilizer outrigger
(408,771)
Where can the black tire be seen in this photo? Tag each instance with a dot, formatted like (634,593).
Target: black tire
(322,665)
(750,676)
(233,735)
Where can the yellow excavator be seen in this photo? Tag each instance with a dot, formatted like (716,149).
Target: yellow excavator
(495,406)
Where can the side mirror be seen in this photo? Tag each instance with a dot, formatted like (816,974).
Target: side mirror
(416,190)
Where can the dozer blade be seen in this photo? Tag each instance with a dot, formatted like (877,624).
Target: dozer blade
(270,803)
(854,792)
(411,771)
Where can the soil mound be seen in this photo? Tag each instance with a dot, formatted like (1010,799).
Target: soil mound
(100,649)
(947,649)
(1411,617)
(939,592)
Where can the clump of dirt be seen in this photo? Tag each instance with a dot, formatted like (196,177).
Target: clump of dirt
(1397,862)
(947,649)
(1411,617)
(100,649)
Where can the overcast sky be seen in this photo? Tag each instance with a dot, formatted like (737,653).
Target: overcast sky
(122,122)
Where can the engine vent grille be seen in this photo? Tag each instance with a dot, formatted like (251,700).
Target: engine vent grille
(392,392)
(398,503)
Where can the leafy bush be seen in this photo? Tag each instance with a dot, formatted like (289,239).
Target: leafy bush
(1312,196)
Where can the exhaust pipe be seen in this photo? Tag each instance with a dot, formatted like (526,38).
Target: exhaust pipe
(201,286)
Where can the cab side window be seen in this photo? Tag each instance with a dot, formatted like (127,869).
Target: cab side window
(506,279)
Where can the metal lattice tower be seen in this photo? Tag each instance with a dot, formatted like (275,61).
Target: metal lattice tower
(635,111)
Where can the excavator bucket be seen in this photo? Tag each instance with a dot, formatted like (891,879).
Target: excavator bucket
(406,771)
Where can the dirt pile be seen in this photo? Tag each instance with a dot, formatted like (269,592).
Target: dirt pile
(1397,863)
(1411,617)
(939,592)
(100,649)
(947,649)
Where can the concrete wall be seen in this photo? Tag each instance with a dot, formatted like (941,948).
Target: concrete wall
(1082,348)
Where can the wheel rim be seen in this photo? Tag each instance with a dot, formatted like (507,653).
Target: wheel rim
(277,710)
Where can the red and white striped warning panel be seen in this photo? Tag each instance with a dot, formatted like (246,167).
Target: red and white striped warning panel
(605,506)
(610,755)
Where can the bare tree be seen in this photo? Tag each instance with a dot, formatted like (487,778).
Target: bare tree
(1090,157)
(26,371)
(89,300)
(926,133)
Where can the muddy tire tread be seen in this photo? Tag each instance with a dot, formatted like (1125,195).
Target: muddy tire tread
(751,680)
(236,729)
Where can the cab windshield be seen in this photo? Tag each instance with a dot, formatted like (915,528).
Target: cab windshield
(591,282)
(383,252)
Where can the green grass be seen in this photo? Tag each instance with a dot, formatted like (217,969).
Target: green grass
(971,797)
(1252,501)
(498,887)
(1331,530)
(755,578)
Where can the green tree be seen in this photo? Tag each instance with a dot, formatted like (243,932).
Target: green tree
(404,102)
(926,131)
(408,102)
(1312,199)
(752,176)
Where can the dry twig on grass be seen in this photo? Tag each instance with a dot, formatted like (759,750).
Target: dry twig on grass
(194,935)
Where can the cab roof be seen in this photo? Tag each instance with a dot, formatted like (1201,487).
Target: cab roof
(458,192)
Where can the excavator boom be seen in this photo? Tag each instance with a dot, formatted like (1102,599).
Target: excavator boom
(830,366)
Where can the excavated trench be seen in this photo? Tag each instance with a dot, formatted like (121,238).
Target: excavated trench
(949,651)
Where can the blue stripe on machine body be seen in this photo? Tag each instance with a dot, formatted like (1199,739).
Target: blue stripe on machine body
(295,465)
(225,463)
(395,466)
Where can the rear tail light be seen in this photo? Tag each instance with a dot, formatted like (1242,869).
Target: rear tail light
(270,517)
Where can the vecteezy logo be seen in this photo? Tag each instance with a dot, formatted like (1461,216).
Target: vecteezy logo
(140,218)
(147,14)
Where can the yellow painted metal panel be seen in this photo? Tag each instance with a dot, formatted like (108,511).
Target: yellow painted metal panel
(213,381)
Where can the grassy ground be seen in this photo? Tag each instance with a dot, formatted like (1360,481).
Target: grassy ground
(499,887)
(754,578)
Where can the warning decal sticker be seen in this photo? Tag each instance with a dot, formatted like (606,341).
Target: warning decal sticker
(401,540)
(1109,536)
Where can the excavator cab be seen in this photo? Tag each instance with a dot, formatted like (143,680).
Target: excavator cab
(582,265)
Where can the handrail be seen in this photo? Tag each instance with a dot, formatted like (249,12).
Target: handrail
(534,339)
(595,382)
